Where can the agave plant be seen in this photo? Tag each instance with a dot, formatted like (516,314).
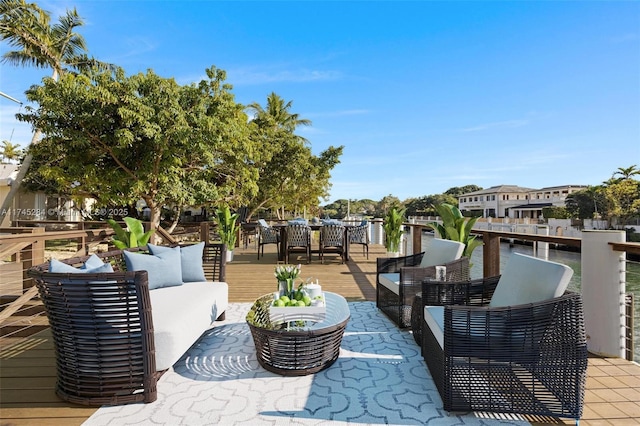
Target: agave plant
(455,227)
(392,227)
(133,236)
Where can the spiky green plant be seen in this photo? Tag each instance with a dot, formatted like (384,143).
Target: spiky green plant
(455,227)
(133,236)
(392,227)
(227,226)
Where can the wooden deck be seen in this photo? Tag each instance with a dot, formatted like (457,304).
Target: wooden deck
(27,365)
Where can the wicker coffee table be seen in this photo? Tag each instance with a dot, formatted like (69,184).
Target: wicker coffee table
(298,348)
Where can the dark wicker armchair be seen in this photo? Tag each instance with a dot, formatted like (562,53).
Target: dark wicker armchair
(398,279)
(102,329)
(528,358)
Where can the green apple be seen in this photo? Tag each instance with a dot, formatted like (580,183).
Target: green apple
(307,300)
(301,303)
(279,303)
(285,299)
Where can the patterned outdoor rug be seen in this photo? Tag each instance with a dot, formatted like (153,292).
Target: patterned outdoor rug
(379,378)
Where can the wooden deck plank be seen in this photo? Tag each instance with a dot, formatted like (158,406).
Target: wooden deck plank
(27,365)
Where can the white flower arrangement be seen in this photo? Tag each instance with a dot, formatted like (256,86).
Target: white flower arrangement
(285,272)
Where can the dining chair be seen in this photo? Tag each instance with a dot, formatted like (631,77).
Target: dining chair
(267,235)
(332,240)
(298,240)
(360,235)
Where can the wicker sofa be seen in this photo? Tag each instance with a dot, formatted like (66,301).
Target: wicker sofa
(514,343)
(113,332)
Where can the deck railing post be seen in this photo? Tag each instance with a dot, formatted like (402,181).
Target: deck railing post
(32,255)
(603,289)
(417,238)
(490,255)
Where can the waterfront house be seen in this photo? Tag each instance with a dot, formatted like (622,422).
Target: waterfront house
(514,201)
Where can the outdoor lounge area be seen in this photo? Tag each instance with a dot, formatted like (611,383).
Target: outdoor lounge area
(380,376)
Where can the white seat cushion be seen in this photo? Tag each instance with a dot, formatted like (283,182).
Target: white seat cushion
(181,314)
(434,319)
(440,251)
(527,279)
(390,281)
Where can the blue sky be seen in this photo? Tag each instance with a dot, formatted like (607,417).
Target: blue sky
(423,95)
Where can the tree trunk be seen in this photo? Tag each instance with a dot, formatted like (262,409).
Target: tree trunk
(156,211)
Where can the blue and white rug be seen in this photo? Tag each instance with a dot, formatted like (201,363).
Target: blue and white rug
(379,378)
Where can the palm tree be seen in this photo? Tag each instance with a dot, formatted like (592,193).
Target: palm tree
(626,172)
(27,28)
(10,151)
(277,112)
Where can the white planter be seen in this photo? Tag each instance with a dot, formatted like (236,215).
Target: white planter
(393,254)
(229,255)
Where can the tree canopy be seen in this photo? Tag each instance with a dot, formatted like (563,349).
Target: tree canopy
(152,139)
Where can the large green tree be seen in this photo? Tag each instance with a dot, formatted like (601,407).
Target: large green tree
(292,178)
(119,139)
(27,29)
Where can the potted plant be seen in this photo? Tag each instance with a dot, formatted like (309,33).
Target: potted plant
(133,236)
(392,227)
(455,227)
(227,229)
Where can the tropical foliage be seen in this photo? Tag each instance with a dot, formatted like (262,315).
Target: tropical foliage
(9,152)
(227,227)
(392,227)
(455,227)
(133,236)
(27,29)
(617,199)
(153,139)
(291,178)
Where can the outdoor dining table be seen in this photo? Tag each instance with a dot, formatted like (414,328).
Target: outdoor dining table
(282,228)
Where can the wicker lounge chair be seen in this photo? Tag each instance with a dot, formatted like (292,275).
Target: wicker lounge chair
(509,344)
(103,331)
(398,279)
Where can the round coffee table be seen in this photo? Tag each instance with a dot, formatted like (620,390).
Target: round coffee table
(298,348)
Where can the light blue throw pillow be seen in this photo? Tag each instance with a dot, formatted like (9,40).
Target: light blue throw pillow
(62,268)
(92,262)
(163,269)
(190,260)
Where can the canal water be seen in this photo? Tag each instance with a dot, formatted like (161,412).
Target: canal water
(571,259)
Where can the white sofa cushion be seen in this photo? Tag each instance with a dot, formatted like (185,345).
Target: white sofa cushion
(434,319)
(390,280)
(441,251)
(181,314)
(527,279)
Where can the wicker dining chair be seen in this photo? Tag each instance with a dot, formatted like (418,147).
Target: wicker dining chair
(298,240)
(360,235)
(332,241)
(267,235)
(515,343)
